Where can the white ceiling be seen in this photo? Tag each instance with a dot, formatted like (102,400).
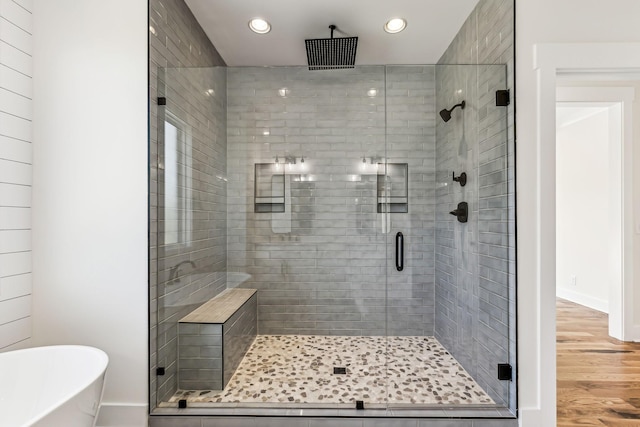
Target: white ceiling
(431,25)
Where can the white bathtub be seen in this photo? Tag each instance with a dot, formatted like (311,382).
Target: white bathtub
(51,386)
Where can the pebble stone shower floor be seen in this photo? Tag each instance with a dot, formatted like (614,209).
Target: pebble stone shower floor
(299,369)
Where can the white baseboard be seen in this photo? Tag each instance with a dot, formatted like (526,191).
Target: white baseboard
(535,417)
(583,299)
(122,415)
(635,334)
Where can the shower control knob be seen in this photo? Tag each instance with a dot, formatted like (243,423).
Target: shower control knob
(462,179)
(462,213)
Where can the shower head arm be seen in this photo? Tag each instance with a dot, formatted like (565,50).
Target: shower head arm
(446,114)
(461,105)
(335,28)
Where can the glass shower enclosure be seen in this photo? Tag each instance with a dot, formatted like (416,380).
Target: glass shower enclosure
(325,239)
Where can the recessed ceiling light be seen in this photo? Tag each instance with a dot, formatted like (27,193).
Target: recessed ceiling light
(259,25)
(395,25)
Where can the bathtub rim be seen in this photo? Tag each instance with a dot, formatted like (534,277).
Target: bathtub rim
(103,363)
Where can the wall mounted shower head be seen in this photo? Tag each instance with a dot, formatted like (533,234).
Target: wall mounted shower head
(446,114)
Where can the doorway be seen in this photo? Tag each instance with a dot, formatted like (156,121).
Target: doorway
(551,61)
(588,204)
(593,197)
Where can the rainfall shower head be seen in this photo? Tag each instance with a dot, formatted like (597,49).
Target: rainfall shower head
(446,114)
(332,53)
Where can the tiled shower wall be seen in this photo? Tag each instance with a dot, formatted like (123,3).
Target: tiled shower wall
(320,266)
(411,127)
(196,99)
(475,262)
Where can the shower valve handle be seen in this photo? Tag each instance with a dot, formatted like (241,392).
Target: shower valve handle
(462,213)
(462,179)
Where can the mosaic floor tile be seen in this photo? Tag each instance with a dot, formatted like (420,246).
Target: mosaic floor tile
(300,369)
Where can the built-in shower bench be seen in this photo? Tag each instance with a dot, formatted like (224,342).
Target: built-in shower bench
(213,339)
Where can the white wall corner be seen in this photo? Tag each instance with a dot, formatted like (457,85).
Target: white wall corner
(583,299)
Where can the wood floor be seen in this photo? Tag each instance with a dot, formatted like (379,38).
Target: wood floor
(598,376)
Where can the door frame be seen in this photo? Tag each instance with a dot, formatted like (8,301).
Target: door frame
(620,196)
(550,59)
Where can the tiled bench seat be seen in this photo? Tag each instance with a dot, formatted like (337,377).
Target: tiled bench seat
(213,339)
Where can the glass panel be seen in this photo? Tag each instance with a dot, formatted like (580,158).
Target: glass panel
(415,358)
(449,303)
(267,181)
(191,218)
(329,193)
(317,262)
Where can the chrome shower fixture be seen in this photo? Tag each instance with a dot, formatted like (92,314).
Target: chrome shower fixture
(446,114)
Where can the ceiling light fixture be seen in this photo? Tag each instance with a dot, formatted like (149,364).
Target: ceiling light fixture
(395,25)
(259,25)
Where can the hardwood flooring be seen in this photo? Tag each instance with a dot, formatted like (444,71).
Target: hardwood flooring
(598,376)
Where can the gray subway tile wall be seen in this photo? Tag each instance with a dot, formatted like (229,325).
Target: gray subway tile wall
(324,272)
(200,356)
(177,40)
(209,353)
(239,332)
(475,286)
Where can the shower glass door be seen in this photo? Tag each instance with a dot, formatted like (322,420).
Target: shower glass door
(406,189)
(304,150)
(329,193)
(267,179)
(449,277)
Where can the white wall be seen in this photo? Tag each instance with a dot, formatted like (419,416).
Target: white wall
(90,158)
(16,112)
(90,189)
(582,206)
(539,22)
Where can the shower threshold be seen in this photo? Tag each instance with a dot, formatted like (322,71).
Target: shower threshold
(298,370)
